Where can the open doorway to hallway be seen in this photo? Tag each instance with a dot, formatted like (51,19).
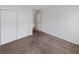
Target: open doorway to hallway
(36,20)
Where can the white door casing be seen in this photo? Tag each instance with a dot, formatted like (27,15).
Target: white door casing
(38,22)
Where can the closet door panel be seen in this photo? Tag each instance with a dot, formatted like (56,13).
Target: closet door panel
(8,26)
(22,25)
(30,24)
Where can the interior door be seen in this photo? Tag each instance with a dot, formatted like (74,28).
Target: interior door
(38,22)
(8,26)
(22,25)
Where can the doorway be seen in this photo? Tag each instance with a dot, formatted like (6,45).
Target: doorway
(36,20)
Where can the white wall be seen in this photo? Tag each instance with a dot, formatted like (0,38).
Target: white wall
(62,22)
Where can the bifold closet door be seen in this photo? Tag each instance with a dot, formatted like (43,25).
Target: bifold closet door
(22,25)
(8,26)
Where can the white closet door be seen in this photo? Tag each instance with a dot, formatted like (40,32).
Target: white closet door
(8,26)
(30,23)
(22,25)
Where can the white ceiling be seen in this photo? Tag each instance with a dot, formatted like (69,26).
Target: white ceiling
(25,6)
(38,6)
